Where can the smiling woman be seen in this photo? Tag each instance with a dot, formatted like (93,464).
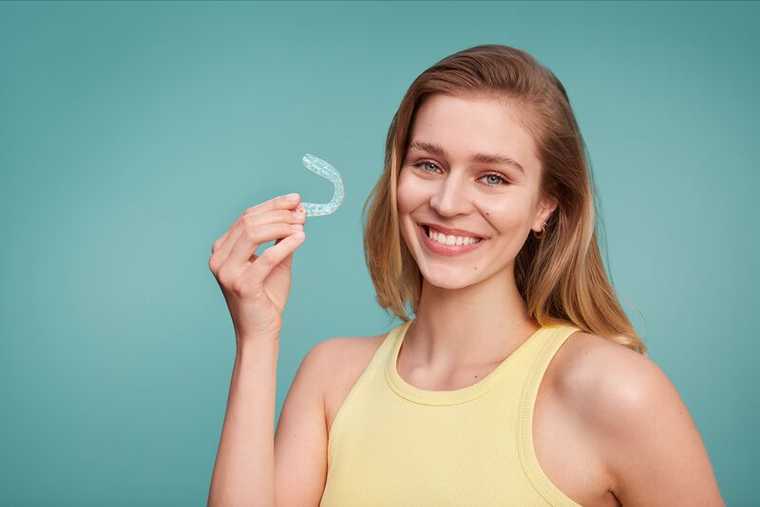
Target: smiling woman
(483,226)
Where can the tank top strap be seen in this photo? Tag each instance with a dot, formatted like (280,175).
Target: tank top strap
(557,336)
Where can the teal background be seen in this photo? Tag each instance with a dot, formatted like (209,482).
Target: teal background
(132,136)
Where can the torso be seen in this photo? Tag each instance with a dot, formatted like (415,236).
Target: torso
(563,443)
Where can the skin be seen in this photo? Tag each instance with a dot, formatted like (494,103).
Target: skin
(609,426)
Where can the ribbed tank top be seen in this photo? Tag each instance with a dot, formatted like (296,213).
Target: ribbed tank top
(393,444)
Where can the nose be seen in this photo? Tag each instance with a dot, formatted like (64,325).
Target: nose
(451,196)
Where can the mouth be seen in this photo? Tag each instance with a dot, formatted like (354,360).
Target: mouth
(436,247)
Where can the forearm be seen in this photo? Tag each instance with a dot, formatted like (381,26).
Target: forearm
(244,469)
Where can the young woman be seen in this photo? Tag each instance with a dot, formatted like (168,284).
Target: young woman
(520,381)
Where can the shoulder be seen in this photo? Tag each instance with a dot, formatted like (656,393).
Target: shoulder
(337,364)
(338,358)
(636,419)
(609,386)
(592,368)
(607,389)
(338,348)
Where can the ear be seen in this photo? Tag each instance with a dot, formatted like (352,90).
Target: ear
(545,208)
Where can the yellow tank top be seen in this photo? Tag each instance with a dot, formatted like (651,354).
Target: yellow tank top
(393,444)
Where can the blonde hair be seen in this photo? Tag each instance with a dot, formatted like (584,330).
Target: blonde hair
(560,276)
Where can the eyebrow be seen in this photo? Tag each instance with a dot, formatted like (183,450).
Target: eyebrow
(478,157)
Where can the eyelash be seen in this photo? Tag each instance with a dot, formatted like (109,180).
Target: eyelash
(504,180)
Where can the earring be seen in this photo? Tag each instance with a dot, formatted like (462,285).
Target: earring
(542,233)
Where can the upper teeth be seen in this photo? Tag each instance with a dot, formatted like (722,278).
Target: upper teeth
(450,240)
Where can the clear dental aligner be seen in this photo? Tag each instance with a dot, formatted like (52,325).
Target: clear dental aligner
(324,169)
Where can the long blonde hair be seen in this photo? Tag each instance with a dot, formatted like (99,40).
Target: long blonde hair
(560,276)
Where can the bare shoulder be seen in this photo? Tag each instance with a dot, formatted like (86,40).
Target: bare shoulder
(610,385)
(342,360)
(589,366)
(345,350)
(637,421)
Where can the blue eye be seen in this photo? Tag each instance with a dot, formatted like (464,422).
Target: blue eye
(503,180)
(423,163)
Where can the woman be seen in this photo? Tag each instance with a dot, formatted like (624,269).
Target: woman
(519,381)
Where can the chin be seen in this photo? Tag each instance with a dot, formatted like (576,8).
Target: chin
(451,279)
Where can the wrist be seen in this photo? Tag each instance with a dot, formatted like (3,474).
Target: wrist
(259,341)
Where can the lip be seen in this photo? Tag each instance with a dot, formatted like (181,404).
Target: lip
(447,250)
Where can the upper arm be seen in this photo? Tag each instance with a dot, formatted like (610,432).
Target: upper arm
(301,436)
(648,438)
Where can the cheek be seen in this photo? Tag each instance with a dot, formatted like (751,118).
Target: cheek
(507,214)
(409,196)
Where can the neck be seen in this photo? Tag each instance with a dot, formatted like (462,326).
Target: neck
(475,325)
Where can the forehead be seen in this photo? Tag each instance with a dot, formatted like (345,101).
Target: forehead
(465,125)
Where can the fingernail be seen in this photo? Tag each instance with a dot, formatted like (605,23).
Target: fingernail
(292,196)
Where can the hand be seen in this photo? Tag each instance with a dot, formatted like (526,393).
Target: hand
(256,287)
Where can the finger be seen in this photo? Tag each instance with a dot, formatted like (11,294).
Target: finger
(251,238)
(288,201)
(279,202)
(257,272)
(282,202)
(223,245)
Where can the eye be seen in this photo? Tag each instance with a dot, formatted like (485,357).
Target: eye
(424,163)
(501,178)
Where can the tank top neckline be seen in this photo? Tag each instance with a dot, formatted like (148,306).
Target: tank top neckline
(450,396)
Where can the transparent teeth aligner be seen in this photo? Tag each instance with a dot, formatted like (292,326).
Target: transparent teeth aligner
(323,168)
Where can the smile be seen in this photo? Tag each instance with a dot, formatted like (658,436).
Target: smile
(447,249)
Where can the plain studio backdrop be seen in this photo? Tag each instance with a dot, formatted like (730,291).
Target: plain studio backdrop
(133,134)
